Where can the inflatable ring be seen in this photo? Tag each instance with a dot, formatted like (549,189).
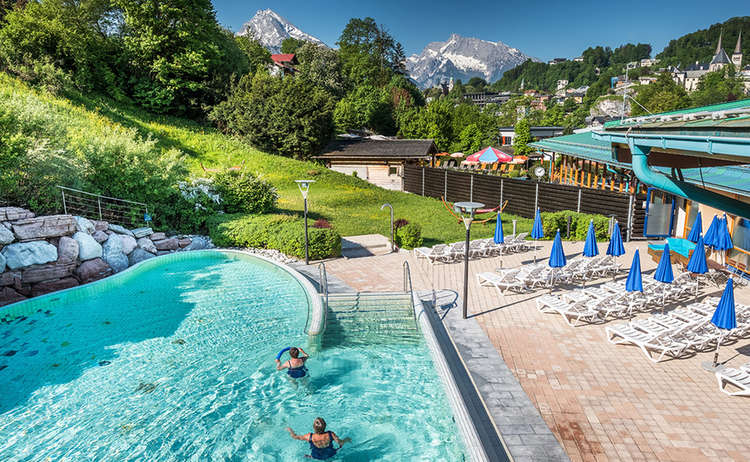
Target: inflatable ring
(278,356)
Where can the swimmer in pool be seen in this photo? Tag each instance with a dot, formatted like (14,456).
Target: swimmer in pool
(321,441)
(295,366)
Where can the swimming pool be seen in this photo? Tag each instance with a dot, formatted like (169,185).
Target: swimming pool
(173,360)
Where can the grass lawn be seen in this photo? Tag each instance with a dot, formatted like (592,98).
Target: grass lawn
(350,204)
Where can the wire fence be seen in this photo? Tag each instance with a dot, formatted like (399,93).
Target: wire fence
(110,209)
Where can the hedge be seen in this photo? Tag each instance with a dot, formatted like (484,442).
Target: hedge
(579,224)
(409,236)
(285,233)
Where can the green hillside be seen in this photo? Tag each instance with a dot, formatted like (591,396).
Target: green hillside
(700,46)
(77,125)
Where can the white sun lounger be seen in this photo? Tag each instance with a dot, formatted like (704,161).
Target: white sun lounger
(736,377)
(501,282)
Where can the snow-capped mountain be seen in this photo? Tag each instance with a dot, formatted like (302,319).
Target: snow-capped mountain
(462,58)
(270,29)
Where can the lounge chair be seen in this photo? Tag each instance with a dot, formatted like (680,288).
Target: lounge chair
(501,282)
(440,252)
(736,377)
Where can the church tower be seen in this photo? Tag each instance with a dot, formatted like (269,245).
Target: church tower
(737,55)
(721,58)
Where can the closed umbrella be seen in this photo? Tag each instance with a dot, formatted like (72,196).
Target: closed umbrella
(537,232)
(723,241)
(635,279)
(556,256)
(590,249)
(499,238)
(724,317)
(710,237)
(664,271)
(697,263)
(615,247)
(696,230)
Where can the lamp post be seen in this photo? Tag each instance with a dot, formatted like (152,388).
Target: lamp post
(304,187)
(393,245)
(467,210)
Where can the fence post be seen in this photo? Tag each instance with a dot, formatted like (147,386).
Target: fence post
(514,227)
(65,207)
(445,185)
(99,203)
(471,188)
(501,192)
(568,222)
(536,197)
(579,201)
(423,181)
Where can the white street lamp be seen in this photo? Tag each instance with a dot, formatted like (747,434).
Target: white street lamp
(304,188)
(467,210)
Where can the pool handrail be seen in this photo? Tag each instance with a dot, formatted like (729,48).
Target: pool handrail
(408,288)
(323,276)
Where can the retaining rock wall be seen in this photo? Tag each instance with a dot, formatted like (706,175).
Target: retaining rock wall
(39,255)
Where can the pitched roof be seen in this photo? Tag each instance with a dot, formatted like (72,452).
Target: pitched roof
(369,149)
(738,47)
(721,58)
(283,58)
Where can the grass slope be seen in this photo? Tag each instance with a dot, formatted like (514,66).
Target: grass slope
(350,204)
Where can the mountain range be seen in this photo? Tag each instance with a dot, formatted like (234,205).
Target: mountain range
(457,58)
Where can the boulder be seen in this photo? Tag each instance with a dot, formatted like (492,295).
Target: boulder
(158,236)
(118,262)
(142,232)
(163,252)
(2,263)
(23,254)
(198,243)
(53,286)
(92,270)
(67,250)
(88,248)
(184,242)
(10,278)
(6,236)
(146,244)
(47,272)
(138,255)
(14,213)
(167,244)
(100,236)
(128,244)
(100,225)
(113,245)
(30,229)
(119,229)
(8,296)
(85,225)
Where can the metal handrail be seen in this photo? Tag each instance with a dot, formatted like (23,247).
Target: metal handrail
(323,276)
(410,291)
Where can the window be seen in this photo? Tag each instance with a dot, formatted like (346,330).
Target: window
(740,255)
(692,214)
(392,171)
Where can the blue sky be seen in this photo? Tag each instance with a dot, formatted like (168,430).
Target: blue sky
(543,29)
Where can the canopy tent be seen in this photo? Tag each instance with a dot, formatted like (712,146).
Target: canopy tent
(489,155)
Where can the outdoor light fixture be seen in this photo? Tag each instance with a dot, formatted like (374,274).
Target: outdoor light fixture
(393,245)
(467,211)
(304,188)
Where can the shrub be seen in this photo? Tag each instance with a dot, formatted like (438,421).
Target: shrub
(579,224)
(321,223)
(282,232)
(601,226)
(409,236)
(244,192)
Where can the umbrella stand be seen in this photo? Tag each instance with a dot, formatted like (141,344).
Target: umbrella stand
(535,251)
(714,366)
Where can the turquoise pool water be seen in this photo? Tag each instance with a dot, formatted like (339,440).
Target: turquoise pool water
(680,246)
(175,362)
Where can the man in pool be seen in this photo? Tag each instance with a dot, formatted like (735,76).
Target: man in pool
(321,441)
(295,366)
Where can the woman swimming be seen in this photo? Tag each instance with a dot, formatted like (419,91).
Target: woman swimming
(295,366)
(321,441)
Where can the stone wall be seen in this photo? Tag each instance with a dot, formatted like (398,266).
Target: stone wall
(39,255)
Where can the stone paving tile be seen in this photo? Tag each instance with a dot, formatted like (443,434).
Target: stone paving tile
(602,401)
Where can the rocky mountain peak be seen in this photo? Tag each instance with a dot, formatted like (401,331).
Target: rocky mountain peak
(270,29)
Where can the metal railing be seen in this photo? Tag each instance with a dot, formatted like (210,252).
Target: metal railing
(408,288)
(97,206)
(323,276)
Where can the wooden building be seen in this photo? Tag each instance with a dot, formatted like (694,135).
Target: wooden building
(378,161)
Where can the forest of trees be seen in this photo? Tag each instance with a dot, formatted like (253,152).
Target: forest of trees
(700,46)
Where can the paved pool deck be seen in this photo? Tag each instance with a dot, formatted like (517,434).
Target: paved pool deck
(602,402)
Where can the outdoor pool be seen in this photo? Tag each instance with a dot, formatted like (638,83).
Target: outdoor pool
(173,360)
